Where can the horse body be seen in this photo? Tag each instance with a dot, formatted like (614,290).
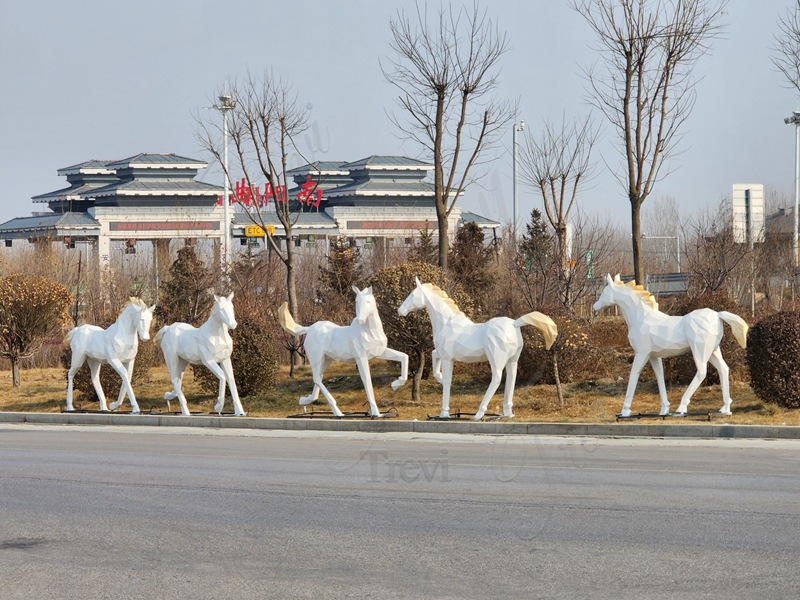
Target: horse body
(457,338)
(116,346)
(358,342)
(210,345)
(654,336)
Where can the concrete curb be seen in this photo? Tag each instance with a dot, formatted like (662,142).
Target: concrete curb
(395,425)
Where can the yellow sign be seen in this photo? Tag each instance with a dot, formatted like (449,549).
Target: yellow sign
(256,231)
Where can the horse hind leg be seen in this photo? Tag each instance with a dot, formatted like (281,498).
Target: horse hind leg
(724,379)
(702,367)
(497,375)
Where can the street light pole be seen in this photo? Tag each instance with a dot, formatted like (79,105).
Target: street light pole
(795,120)
(225,104)
(516,127)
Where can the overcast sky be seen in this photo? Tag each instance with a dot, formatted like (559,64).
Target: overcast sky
(107,80)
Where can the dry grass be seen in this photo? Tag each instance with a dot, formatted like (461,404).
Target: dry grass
(44,390)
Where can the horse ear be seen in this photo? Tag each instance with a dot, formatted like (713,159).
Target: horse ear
(609,281)
(356,290)
(417,280)
(368,290)
(152,308)
(617,278)
(230,296)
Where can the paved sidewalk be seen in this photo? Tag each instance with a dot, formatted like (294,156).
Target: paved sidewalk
(673,428)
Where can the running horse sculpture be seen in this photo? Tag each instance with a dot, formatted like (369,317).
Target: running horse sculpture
(116,346)
(358,342)
(456,337)
(654,335)
(210,345)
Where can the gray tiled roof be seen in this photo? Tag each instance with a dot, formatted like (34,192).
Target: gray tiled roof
(49,221)
(387,161)
(89,164)
(322,165)
(73,192)
(470,217)
(156,186)
(154,159)
(383,187)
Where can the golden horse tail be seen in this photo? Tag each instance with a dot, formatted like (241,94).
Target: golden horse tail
(66,342)
(287,321)
(738,325)
(543,323)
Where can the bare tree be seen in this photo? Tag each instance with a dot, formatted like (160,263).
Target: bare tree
(557,164)
(446,69)
(265,121)
(647,89)
(786,51)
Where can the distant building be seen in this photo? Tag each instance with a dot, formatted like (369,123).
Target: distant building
(156,198)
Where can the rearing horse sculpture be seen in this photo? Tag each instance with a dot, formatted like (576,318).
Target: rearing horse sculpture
(654,335)
(363,339)
(456,337)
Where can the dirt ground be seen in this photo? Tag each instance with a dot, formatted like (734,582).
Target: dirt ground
(44,390)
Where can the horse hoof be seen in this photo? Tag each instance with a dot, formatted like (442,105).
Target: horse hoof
(306,400)
(626,412)
(728,412)
(396,385)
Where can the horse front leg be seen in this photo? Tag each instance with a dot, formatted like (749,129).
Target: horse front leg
(122,371)
(362,362)
(402,358)
(121,397)
(237,404)
(94,368)
(658,369)
(639,361)
(446,378)
(220,374)
(724,374)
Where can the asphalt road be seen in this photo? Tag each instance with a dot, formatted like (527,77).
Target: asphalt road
(132,513)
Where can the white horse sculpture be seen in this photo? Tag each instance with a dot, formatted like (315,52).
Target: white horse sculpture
(358,342)
(210,345)
(655,335)
(116,346)
(456,337)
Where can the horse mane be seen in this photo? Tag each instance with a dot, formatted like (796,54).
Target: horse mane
(645,296)
(133,301)
(443,295)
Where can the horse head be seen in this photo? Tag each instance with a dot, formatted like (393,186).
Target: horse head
(223,306)
(145,320)
(414,301)
(607,297)
(365,304)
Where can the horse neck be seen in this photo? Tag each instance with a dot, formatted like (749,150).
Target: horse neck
(214,323)
(631,307)
(439,311)
(126,322)
(373,325)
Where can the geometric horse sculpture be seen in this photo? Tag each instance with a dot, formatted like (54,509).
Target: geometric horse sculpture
(116,346)
(358,342)
(456,337)
(654,335)
(209,345)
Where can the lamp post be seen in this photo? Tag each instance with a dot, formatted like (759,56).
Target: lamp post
(795,120)
(516,127)
(225,104)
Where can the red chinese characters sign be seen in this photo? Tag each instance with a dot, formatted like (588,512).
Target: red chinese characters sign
(251,195)
(308,194)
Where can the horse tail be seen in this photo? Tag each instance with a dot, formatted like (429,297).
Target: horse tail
(68,339)
(160,334)
(542,322)
(287,322)
(738,325)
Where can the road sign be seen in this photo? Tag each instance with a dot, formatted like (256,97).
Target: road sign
(253,231)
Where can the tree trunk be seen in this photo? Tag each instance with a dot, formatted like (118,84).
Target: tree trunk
(416,380)
(636,239)
(444,240)
(291,291)
(559,390)
(15,382)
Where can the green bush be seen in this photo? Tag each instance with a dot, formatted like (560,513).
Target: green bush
(254,360)
(773,345)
